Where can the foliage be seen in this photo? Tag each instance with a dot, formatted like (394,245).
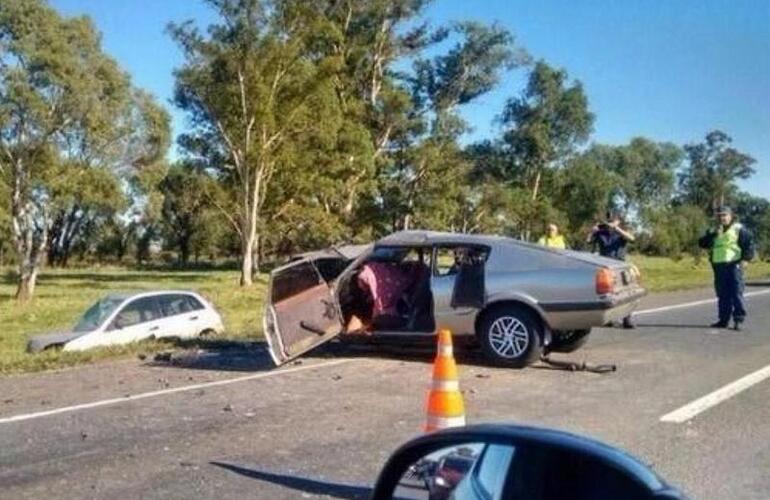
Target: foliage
(712,170)
(65,108)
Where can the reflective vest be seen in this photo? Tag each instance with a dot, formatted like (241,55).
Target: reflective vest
(555,242)
(726,248)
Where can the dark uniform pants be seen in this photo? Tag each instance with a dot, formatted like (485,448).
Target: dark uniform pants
(728,282)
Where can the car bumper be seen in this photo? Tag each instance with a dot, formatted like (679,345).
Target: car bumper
(593,313)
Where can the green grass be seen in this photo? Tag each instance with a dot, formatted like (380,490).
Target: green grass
(660,274)
(63,295)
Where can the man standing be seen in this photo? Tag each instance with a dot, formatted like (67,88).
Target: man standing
(552,238)
(729,245)
(610,239)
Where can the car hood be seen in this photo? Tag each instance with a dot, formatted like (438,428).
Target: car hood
(40,342)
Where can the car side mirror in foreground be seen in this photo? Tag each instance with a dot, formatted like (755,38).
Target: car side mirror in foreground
(518,463)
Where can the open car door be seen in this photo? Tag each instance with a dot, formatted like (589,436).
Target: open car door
(470,287)
(301,311)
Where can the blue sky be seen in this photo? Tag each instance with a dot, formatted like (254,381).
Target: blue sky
(664,69)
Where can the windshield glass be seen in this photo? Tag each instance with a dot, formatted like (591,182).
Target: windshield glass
(96,314)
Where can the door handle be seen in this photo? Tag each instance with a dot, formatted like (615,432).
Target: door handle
(154,328)
(194,318)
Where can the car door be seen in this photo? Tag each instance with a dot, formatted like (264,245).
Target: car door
(301,310)
(138,319)
(179,317)
(458,285)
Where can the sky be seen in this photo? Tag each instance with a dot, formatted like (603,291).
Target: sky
(669,70)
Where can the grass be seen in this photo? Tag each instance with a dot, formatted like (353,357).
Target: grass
(63,295)
(660,274)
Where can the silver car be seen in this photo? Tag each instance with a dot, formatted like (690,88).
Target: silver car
(519,300)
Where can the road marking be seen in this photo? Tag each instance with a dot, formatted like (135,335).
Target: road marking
(162,392)
(700,405)
(695,303)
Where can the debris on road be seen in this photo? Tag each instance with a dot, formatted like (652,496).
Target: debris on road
(163,356)
(336,377)
(483,375)
(228,408)
(83,436)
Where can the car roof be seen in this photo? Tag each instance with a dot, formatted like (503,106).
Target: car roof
(420,237)
(145,293)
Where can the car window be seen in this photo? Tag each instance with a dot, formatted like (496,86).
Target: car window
(138,311)
(448,259)
(294,280)
(97,314)
(492,470)
(171,305)
(194,304)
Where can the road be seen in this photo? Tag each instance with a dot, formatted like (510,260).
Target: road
(224,424)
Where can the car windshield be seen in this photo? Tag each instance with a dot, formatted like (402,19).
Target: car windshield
(97,314)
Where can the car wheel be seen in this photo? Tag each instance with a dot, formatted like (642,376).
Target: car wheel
(569,340)
(208,332)
(511,336)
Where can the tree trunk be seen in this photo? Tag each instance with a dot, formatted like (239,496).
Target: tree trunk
(27,281)
(247,264)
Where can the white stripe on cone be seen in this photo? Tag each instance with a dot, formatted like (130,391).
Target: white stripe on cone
(445,385)
(434,422)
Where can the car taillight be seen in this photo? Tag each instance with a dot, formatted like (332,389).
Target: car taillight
(605,281)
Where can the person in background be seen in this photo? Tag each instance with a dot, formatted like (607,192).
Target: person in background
(729,245)
(610,239)
(552,238)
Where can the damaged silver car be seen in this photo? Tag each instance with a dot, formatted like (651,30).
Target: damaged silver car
(517,299)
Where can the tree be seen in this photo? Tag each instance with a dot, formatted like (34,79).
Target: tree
(427,169)
(250,87)
(713,167)
(62,102)
(187,213)
(546,123)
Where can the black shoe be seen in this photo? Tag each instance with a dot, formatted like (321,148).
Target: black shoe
(719,324)
(737,325)
(628,324)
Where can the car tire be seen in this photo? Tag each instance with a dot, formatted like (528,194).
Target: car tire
(569,340)
(208,332)
(511,336)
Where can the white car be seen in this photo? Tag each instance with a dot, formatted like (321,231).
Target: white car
(123,318)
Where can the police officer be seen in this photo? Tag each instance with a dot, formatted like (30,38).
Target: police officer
(552,238)
(729,245)
(611,239)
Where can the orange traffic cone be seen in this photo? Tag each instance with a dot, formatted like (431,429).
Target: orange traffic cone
(445,406)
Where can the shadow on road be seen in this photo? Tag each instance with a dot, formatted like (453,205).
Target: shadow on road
(301,484)
(672,325)
(252,356)
(216,354)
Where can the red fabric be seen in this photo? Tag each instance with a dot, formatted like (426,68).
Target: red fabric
(386,284)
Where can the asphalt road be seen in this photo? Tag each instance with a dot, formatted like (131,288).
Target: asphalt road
(223,424)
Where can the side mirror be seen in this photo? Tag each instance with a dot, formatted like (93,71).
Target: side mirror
(514,462)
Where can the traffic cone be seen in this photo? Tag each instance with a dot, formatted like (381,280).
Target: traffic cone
(445,406)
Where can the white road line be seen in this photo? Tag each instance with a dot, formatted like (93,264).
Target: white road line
(152,394)
(700,405)
(695,303)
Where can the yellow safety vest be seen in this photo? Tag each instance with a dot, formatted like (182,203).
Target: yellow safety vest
(726,248)
(555,242)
